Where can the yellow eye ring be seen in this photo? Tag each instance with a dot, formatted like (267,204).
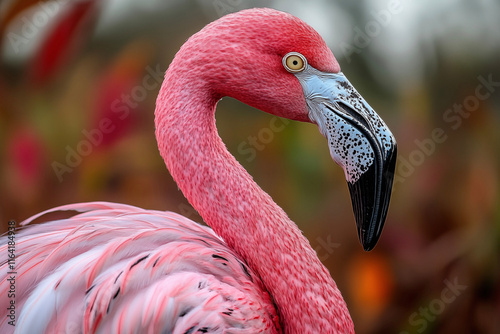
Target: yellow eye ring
(294,62)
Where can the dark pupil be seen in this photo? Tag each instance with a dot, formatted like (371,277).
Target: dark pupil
(295,62)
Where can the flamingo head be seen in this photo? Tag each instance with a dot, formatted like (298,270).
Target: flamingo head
(275,62)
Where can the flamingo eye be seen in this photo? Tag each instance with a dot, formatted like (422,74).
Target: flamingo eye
(294,62)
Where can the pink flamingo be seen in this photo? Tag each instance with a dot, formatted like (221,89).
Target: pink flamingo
(114,268)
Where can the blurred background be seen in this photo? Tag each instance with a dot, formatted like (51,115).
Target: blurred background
(431,69)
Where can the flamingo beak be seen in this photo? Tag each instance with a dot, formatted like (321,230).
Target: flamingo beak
(359,141)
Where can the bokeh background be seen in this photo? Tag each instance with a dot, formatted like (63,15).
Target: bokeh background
(431,69)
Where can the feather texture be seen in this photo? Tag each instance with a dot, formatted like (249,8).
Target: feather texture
(114,268)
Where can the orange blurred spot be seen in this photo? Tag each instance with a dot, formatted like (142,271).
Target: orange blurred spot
(371,284)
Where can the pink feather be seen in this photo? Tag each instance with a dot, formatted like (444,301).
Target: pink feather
(154,266)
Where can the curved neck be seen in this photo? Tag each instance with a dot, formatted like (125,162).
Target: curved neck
(239,211)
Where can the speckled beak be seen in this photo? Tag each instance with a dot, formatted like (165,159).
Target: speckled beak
(359,141)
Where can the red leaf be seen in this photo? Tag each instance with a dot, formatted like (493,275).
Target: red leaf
(65,37)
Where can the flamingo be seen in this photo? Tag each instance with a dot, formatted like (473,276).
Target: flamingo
(115,268)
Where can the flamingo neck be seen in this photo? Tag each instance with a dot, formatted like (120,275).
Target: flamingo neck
(239,211)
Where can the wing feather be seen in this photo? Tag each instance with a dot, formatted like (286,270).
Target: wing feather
(114,268)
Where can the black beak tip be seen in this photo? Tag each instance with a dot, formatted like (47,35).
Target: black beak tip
(368,243)
(370,196)
(369,236)
(369,230)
